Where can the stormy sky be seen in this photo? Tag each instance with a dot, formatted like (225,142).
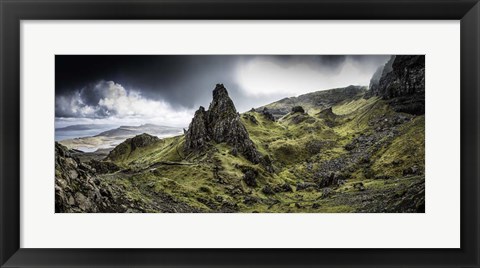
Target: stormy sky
(166,90)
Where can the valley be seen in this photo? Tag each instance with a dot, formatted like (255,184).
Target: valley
(354,149)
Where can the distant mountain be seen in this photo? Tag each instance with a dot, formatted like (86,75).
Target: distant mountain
(341,150)
(316,101)
(80,130)
(111,138)
(130,145)
(84,127)
(135,130)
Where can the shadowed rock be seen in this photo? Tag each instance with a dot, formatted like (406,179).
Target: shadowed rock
(76,187)
(402,84)
(221,123)
(197,136)
(298,109)
(267,114)
(328,116)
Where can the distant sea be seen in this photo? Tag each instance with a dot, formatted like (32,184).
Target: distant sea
(61,135)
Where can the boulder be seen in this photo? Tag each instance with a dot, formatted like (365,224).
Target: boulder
(267,190)
(283,188)
(298,109)
(414,170)
(250,177)
(329,180)
(359,186)
(266,113)
(103,167)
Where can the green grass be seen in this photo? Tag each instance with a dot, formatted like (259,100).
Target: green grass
(407,150)
(297,144)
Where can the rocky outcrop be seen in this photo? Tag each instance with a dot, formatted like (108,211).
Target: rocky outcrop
(197,136)
(103,167)
(403,84)
(76,187)
(328,116)
(221,123)
(266,113)
(298,109)
(130,145)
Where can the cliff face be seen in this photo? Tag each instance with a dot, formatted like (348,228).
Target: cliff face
(221,123)
(374,81)
(197,136)
(76,187)
(402,84)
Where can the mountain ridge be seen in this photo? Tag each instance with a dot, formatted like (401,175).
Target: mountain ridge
(317,100)
(345,150)
(110,138)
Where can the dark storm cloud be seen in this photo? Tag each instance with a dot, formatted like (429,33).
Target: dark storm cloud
(99,86)
(176,79)
(330,63)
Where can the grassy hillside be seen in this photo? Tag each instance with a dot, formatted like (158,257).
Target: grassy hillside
(348,154)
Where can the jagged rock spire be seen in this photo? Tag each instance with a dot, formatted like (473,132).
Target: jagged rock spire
(221,123)
(197,135)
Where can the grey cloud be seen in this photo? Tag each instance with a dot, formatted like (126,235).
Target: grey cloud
(186,82)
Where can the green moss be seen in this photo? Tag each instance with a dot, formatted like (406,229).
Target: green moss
(406,150)
(297,144)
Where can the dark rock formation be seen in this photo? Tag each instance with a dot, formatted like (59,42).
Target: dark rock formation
(267,114)
(314,146)
(305,185)
(329,180)
(375,79)
(402,85)
(267,163)
(267,190)
(103,167)
(298,109)
(142,140)
(283,188)
(328,116)
(412,171)
(359,186)
(410,200)
(251,118)
(197,136)
(250,177)
(76,187)
(221,123)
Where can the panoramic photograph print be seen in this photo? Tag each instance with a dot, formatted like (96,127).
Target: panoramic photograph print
(239,134)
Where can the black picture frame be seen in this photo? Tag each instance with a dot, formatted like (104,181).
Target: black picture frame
(13,11)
